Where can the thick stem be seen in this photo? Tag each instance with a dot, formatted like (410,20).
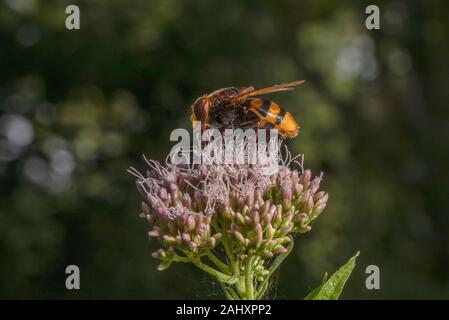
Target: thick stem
(229,292)
(249,281)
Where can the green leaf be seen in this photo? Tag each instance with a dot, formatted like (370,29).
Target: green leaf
(164,265)
(331,289)
(312,294)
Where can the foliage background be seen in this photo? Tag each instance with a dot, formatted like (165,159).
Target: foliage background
(78,107)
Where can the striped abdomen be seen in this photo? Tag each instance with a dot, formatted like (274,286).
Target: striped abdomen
(270,112)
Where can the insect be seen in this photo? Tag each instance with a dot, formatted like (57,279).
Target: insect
(236,107)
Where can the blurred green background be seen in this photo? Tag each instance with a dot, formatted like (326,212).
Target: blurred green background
(77,107)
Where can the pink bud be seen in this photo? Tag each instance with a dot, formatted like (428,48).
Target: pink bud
(280,249)
(191,224)
(168,239)
(186,237)
(259,236)
(159,254)
(315,185)
(155,232)
(187,201)
(163,194)
(255,216)
(145,208)
(239,237)
(192,245)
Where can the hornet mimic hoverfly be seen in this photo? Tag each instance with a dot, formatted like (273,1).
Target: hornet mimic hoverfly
(236,107)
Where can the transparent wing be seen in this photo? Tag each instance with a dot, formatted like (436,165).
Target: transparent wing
(250,92)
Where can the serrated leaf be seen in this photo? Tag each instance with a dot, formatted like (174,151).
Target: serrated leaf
(332,288)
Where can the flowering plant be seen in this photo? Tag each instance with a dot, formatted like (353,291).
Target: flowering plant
(232,221)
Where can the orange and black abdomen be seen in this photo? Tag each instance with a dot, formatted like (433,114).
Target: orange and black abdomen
(270,112)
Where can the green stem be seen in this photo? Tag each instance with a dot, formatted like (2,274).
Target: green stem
(229,292)
(249,285)
(196,260)
(178,258)
(223,267)
(261,291)
(224,241)
(217,274)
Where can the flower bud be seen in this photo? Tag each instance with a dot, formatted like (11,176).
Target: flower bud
(304,229)
(259,197)
(315,185)
(163,194)
(239,218)
(270,231)
(145,208)
(168,239)
(159,254)
(199,200)
(191,224)
(280,249)
(239,237)
(297,189)
(156,232)
(201,229)
(172,227)
(265,208)
(322,199)
(182,221)
(249,199)
(259,236)
(286,191)
(186,200)
(317,210)
(207,219)
(286,229)
(255,216)
(150,219)
(287,218)
(217,236)
(211,242)
(174,192)
(186,237)
(301,218)
(304,179)
(192,245)
(277,218)
(309,204)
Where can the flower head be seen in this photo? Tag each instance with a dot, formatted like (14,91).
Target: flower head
(234,215)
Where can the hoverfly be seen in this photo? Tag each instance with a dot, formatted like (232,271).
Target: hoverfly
(235,107)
